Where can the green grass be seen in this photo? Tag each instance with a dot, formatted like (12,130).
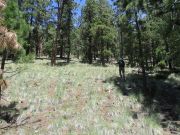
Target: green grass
(72,99)
(152,121)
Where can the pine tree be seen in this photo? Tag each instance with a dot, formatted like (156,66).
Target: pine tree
(8,41)
(88,19)
(15,21)
(38,15)
(98,31)
(67,26)
(104,30)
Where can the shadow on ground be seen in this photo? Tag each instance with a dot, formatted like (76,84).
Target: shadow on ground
(10,113)
(164,96)
(10,118)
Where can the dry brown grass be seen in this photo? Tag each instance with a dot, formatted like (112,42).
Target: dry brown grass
(2,4)
(8,39)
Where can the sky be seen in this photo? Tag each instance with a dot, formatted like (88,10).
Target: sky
(81,3)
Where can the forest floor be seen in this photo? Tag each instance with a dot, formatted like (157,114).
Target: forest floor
(83,99)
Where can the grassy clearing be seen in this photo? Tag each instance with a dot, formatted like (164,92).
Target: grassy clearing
(72,99)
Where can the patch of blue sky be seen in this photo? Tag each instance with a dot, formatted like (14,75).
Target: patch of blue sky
(78,10)
(81,3)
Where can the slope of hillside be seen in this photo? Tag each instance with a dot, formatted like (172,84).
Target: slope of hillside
(70,99)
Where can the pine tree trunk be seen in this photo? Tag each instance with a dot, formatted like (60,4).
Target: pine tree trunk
(153,54)
(30,47)
(90,50)
(69,49)
(107,57)
(69,31)
(122,46)
(37,50)
(95,52)
(102,54)
(89,53)
(168,51)
(58,32)
(62,46)
(28,50)
(3,59)
(40,48)
(120,34)
(53,56)
(141,54)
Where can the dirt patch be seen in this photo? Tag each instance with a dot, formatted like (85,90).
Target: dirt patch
(52,88)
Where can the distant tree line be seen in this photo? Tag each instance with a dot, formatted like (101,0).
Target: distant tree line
(145,32)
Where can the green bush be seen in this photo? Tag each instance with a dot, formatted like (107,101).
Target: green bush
(162,64)
(21,57)
(48,48)
(107,53)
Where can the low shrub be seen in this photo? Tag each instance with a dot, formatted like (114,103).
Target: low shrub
(21,57)
(162,64)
